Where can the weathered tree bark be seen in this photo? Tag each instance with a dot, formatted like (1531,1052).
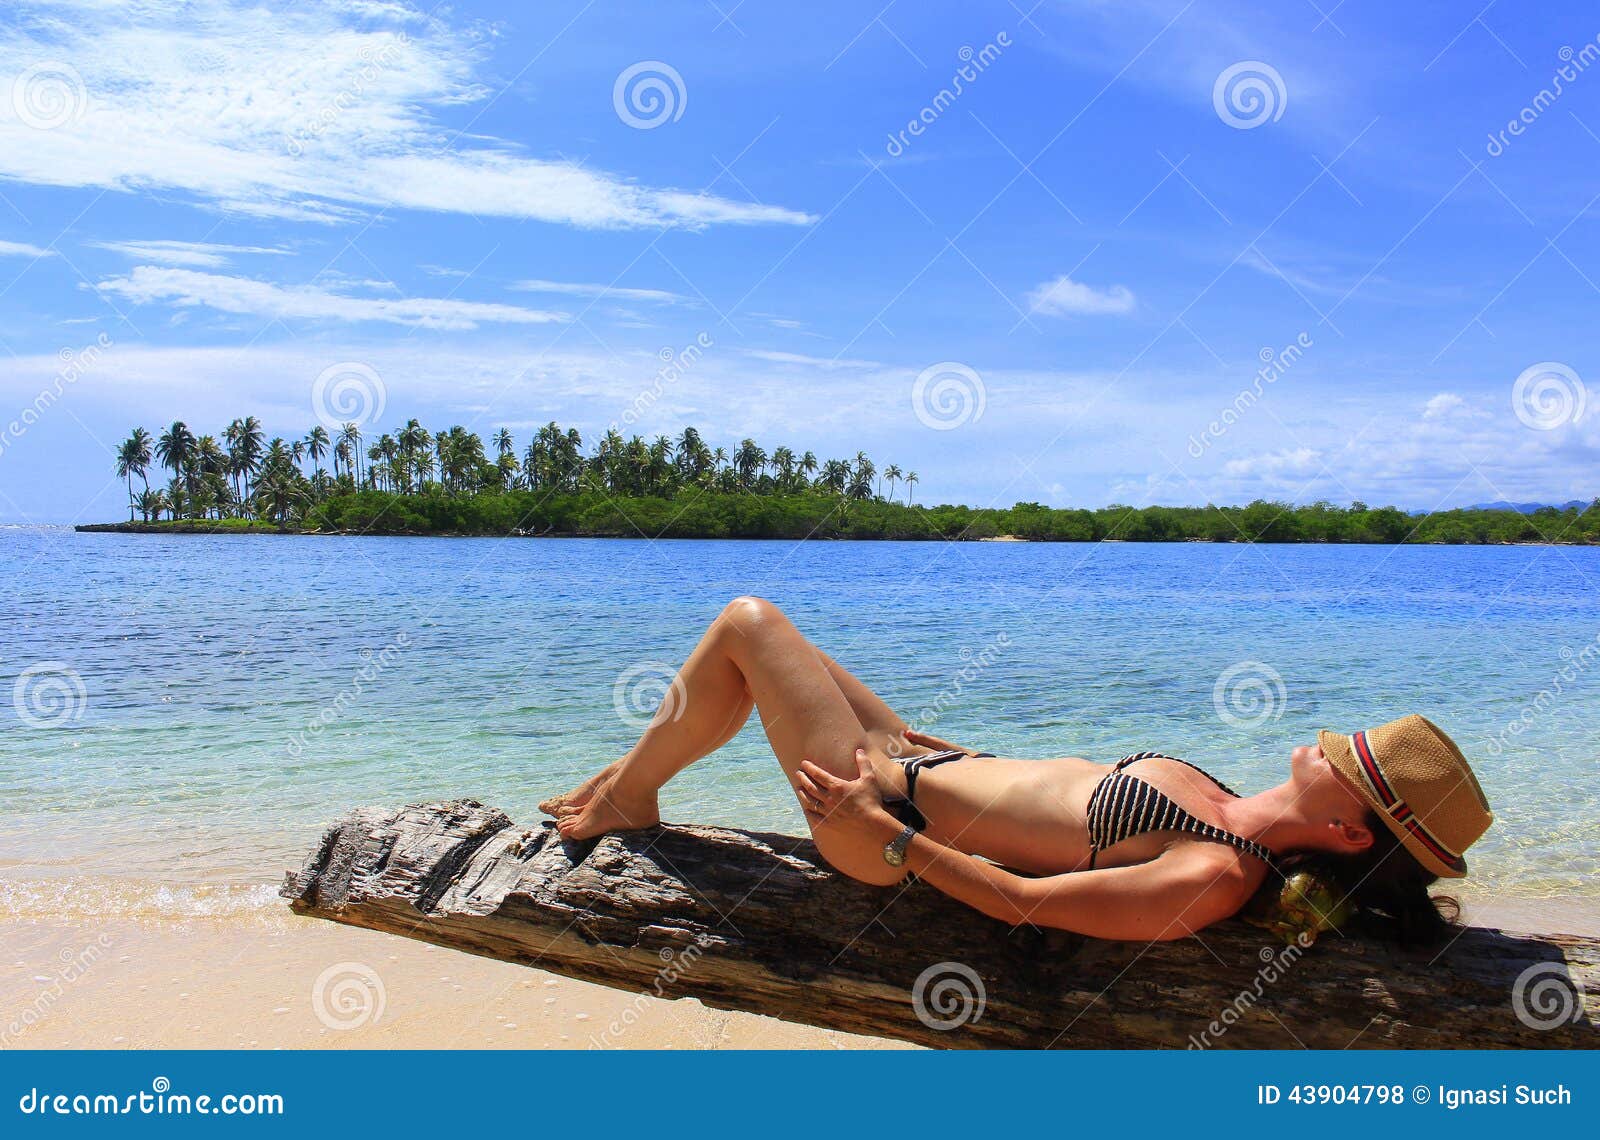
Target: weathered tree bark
(757,922)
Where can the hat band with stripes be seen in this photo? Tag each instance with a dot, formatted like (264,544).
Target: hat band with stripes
(1397,808)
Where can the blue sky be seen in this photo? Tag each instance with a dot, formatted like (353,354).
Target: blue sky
(1050,292)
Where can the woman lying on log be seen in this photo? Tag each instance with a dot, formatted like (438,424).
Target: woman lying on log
(1150,848)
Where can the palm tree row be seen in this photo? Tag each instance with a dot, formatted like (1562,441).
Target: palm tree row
(247,476)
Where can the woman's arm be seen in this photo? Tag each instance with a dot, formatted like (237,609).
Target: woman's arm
(1182,891)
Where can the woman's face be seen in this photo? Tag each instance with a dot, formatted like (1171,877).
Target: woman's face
(1323,795)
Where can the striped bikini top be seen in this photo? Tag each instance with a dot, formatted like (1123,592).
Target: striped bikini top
(1122,806)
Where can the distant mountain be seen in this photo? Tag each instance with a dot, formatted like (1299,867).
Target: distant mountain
(1528,508)
(1502,505)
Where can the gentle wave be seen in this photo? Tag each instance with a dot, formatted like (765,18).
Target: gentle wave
(87,897)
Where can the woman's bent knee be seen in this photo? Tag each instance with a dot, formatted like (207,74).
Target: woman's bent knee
(750,610)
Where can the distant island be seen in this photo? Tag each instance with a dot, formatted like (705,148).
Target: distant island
(417,482)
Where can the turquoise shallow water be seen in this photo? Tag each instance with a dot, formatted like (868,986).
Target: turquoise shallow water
(183,714)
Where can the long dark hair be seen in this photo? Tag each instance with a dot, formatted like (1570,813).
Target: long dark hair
(1390,891)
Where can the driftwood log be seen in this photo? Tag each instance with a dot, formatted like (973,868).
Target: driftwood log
(757,922)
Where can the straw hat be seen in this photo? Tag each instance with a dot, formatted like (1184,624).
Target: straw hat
(1416,779)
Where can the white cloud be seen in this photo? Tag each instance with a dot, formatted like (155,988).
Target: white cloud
(1066,297)
(315,112)
(23,249)
(188,254)
(1298,461)
(827,364)
(1441,405)
(186,288)
(573,289)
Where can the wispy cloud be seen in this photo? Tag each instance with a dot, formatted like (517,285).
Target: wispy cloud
(1290,463)
(825,363)
(315,112)
(187,254)
(573,289)
(23,249)
(187,289)
(1065,297)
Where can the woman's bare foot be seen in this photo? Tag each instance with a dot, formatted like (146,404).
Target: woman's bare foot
(609,810)
(580,795)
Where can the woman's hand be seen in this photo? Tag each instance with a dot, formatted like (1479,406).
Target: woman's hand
(832,802)
(934,742)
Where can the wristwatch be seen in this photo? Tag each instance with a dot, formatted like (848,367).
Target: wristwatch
(894,851)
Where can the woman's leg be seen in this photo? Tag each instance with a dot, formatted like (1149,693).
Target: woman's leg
(751,652)
(885,729)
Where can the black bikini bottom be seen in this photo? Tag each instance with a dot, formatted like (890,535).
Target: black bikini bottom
(904,808)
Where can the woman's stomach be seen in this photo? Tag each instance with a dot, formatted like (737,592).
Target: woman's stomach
(1026,814)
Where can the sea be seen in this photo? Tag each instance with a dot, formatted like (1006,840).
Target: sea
(181,716)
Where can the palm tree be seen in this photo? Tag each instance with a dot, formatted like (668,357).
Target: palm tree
(133,458)
(503,443)
(911,481)
(316,444)
(152,503)
(244,439)
(892,474)
(126,462)
(350,440)
(809,464)
(748,461)
(861,481)
(175,450)
(209,475)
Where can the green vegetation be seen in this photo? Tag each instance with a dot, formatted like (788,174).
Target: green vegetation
(417,482)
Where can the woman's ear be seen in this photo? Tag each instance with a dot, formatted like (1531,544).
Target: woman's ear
(1351,837)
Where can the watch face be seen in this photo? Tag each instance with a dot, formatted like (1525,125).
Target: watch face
(893,856)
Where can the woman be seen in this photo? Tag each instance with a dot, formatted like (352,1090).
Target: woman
(1149,849)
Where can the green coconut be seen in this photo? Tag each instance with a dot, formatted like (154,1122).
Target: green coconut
(1307,904)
